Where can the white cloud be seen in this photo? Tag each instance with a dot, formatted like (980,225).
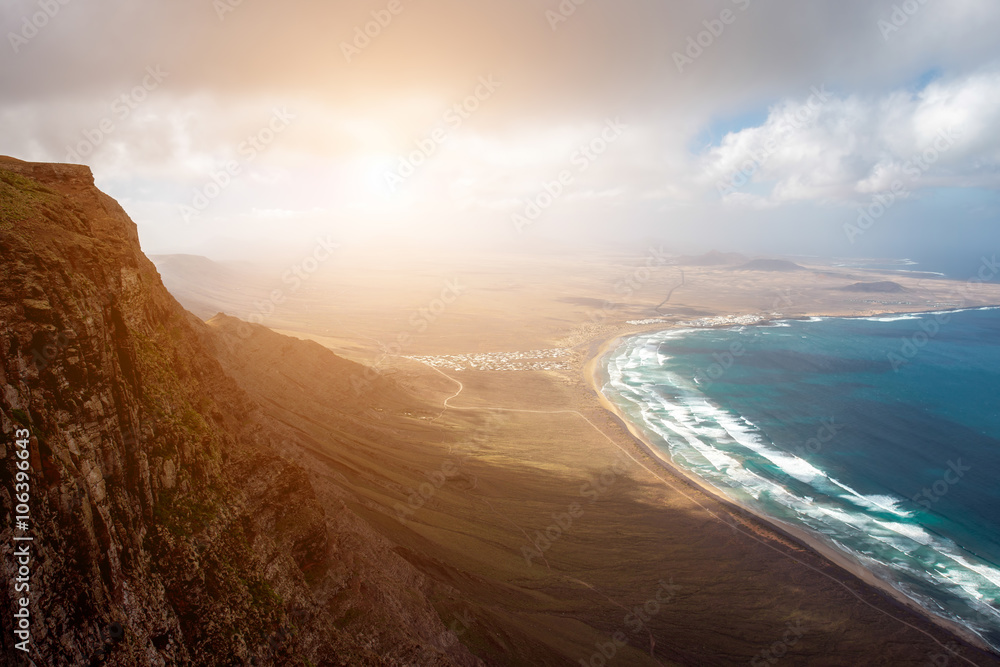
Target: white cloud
(943,135)
(355,120)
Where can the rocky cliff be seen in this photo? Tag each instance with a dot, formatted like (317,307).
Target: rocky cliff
(169,524)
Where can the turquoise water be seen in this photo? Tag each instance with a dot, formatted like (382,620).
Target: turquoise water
(880,436)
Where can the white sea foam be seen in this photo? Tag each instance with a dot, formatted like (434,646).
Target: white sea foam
(908,530)
(891,318)
(960,310)
(873,502)
(840,515)
(875,529)
(989,573)
(930,273)
(882,503)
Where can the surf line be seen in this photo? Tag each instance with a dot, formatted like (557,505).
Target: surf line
(461,388)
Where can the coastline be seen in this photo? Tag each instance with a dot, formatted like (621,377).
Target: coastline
(595,375)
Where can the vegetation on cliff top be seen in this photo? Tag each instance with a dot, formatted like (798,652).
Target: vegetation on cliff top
(19,197)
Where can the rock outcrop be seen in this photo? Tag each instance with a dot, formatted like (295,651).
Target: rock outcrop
(169,525)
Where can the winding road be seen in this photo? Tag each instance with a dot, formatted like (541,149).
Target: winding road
(733,525)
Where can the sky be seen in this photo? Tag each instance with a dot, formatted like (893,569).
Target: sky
(235,128)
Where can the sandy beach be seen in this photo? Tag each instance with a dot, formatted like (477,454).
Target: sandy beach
(596,374)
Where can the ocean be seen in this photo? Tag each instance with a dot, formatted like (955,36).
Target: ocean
(879,436)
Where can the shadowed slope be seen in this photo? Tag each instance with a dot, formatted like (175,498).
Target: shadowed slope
(161,499)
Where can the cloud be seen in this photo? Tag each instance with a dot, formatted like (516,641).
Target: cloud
(846,148)
(356,117)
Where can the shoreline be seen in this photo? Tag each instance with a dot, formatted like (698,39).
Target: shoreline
(887,313)
(595,373)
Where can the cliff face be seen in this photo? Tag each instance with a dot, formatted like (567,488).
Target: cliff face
(162,505)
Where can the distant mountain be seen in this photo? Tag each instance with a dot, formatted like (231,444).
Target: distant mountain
(886,286)
(202,266)
(264,362)
(770,265)
(713,258)
(203,285)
